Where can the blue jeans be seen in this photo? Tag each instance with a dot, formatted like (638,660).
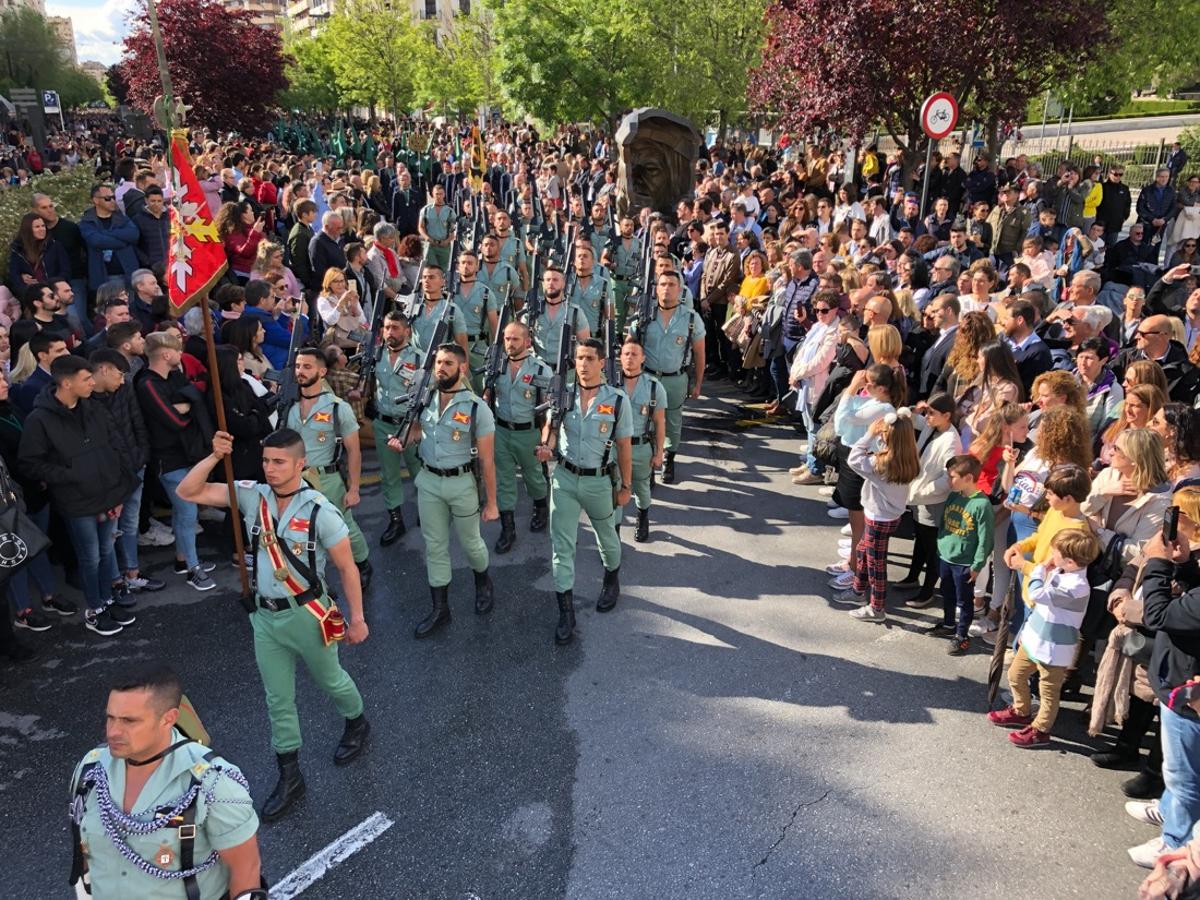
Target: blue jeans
(779,375)
(38,567)
(127,543)
(958,595)
(93,542)
(184,518)
(1180,803)
(810,427)
(1020,526)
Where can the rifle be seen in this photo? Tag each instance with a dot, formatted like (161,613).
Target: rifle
(532,297)
(452,275)
(496,357)
(562,398)
(289,390)
(569,265)
(646,299)
(612,342)
(368,351)
(418,399)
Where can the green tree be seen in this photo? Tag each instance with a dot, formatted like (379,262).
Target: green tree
(312,79)
(77,88)
(458,70)
(29,55)
(370,47)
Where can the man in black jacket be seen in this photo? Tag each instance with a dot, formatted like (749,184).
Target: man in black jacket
(1115,204)
(46,346)
(110,369)
(70,442)
(1153,341)
(325,251)
(1031,353)
(944,309)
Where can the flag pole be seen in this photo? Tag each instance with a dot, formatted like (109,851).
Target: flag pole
(214,376)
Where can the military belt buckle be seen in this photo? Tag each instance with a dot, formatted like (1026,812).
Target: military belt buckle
(187,832)
(310,546)
(269,603)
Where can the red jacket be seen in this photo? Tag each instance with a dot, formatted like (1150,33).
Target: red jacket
(241,246)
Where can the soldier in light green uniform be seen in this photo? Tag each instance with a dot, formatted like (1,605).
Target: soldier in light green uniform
(590,290)
(547,327)
(396,369)
(494,272)
(515,397)
(665,262)
(433,303)
(512,248)
(456,430)
(481,309)
(674,343)
(328,426)
(647,404)
(147,765)
(597,231)
(436,226)
(591,443)
(623,260)
(306,530)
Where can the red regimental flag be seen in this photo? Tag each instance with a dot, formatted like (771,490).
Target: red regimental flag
(196,257)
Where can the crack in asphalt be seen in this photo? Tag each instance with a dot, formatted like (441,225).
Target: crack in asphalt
(790,822)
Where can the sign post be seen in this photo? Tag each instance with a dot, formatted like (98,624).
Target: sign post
(51,104)
(939,115)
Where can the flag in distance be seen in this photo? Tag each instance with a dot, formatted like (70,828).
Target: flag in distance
(478,159)
(196,256)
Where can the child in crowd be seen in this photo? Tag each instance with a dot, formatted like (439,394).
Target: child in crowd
(886,459)
(964,545)
(1058,592)
(1067,486)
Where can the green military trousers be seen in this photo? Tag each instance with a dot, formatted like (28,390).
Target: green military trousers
(281,638)
(642,454)
(439,255)
(517,449)
(334,489)
(442,501)
(621,292)
(570,493)
(392,465)
(478,360)
(676,388)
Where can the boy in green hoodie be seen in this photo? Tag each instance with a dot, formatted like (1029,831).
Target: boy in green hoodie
(964,545)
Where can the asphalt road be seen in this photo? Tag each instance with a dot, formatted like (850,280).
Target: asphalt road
(727,732)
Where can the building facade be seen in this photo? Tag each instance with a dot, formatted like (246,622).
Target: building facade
(65,32)
(264,13)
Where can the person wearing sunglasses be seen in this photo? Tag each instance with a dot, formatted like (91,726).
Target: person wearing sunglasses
(111,239)
(1115,204)
(807,375)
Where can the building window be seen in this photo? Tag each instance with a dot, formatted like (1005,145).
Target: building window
(431,9)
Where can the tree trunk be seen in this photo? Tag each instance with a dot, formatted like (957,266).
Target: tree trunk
(722,125)
(992,139)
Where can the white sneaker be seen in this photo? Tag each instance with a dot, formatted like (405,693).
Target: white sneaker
(846,530)
(868,613)
(158,527)
(849,596)
(804,448)
(826,491)
(1145,811)
(155,539)
(798,470)
(844,552)
(845,542)
(842,582)
(981,626)
(838,512)
(837,568)
(1147,854)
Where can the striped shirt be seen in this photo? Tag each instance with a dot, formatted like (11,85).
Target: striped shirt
(1051,632)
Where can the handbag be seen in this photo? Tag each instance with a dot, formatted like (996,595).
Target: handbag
(20,538)
(1138,646)
(825,444)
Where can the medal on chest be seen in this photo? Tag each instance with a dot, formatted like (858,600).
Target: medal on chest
(604,428)
(645,410)
(457,436)
(679,339)
(164,857)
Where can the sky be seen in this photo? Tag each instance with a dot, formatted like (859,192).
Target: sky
(99,26)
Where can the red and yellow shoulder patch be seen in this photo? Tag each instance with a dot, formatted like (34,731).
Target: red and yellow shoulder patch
(462,418)
(322,417)
(298,524)
(605,409)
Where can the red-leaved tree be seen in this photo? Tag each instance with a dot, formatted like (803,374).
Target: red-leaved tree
(222,65)
(832,67)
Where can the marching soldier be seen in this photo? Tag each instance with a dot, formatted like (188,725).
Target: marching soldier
(674,344)
(395,372)
(623,259)
(456,432)
(592,444)
(597,231)
(665,262)
(517,394)
(647,405)
(295,529)
(433,303)
(126,841)
(436,226)
(480,309)
(547,326)
(512,249)
(591,291)
(328,426)
(494,272)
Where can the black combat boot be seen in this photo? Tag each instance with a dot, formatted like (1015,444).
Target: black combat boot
(566,617)
(364,574)
(541,515)
(288,791)
(483,591)
(439,614)
(354,738)
(668,475)
(641,534)
(508,532)
(395,529)
(611,590)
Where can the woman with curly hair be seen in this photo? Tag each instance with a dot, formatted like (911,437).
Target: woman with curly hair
(975,330)
(1179,427)
(1054,389)
(241,231)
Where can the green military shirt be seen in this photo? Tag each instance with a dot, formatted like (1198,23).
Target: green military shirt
(518,394)
(648,395)
(224,819)
(330,421)
(292,527)
(626,259)
(498,279)
(546,329)
(669,349)
(446,435)
(424,322)
(437,221)
(599,237)
(512,251)
(585,435)
(475,306)
(592,298)
(394,380)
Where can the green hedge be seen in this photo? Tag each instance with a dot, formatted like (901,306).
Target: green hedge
(71,191)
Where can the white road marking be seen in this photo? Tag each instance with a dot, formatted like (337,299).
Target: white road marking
(337,852)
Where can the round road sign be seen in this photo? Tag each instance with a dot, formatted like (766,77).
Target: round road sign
(939,115)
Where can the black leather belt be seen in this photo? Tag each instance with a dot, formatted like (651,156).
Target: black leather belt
(328,470)
(450,473)
(639,440)
(278,604)
(576,470)
(665,374)
(391,420)
(513,426)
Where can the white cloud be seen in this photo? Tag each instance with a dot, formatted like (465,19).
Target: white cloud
(100,27)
